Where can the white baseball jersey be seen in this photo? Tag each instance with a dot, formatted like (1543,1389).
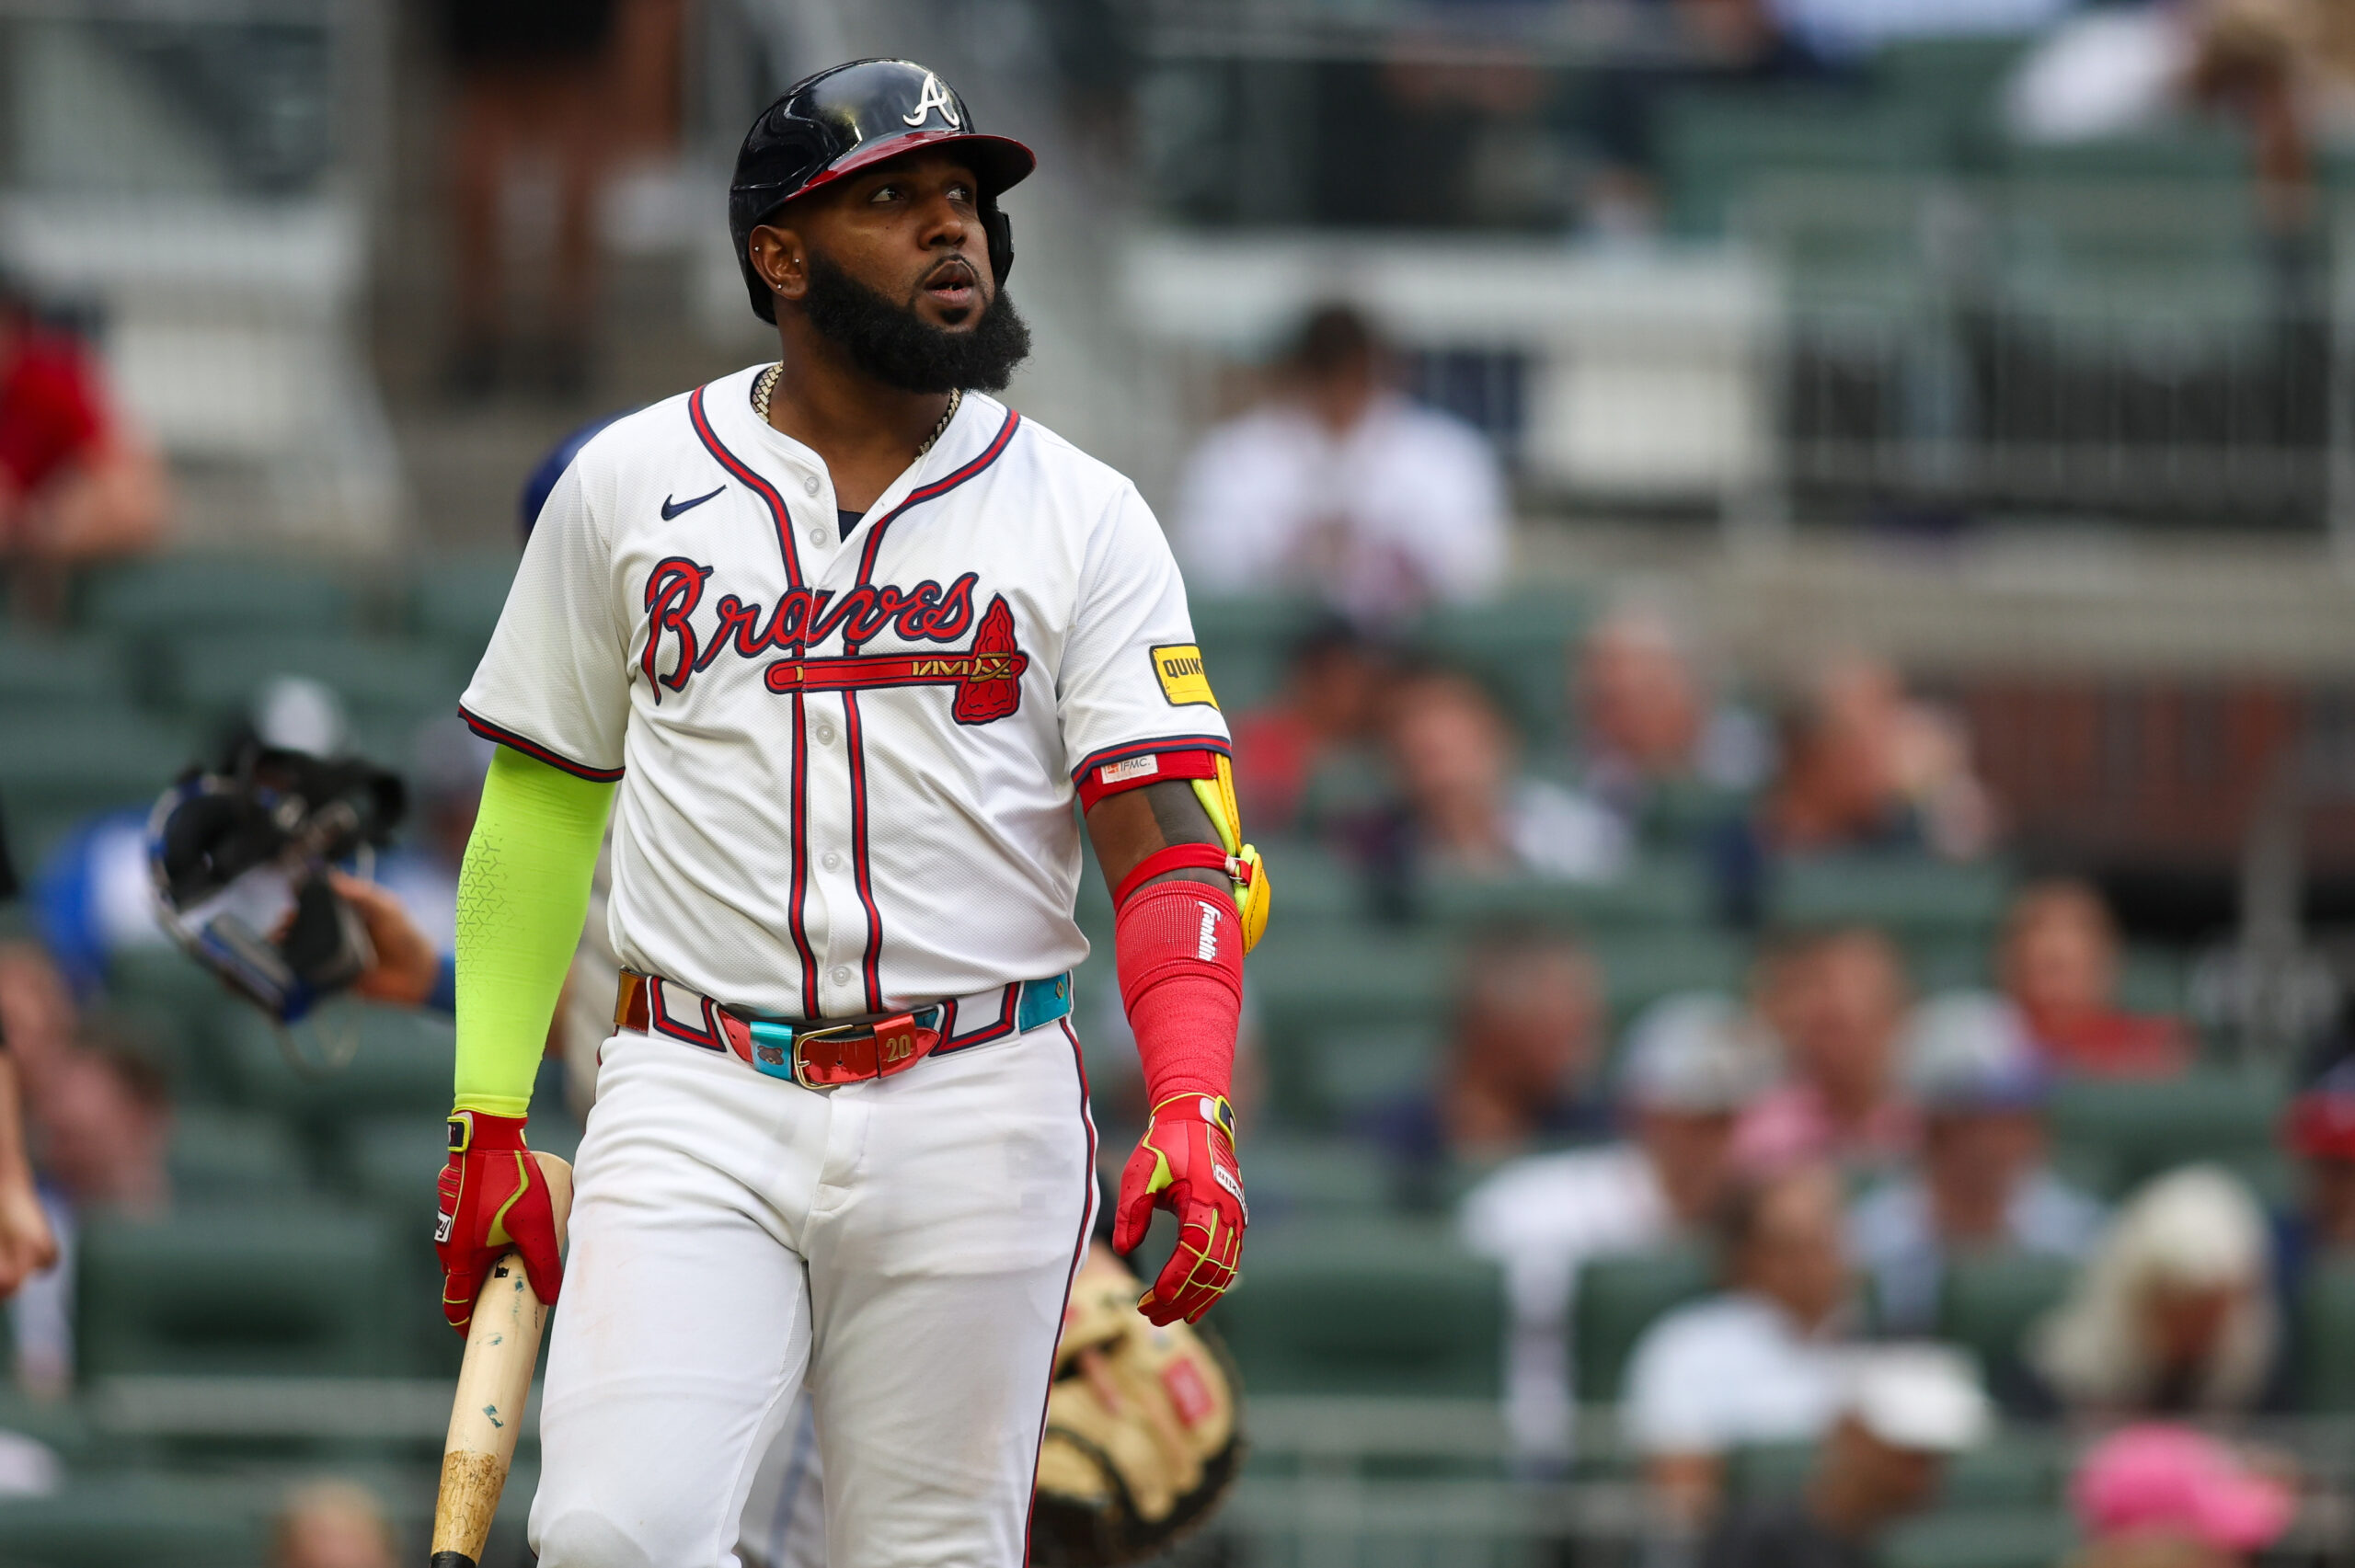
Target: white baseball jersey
(846,764)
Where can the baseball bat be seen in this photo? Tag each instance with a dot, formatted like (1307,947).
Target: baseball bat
(502,1345)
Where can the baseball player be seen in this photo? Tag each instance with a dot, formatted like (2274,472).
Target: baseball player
(837,640)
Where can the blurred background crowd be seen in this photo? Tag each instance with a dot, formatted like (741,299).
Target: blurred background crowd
(1780,570)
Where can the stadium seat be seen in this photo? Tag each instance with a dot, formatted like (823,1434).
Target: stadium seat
(1244,643)
(160,987)
(49,674)
(1334,1076)
(170,596)
(2012,1470)
(57,769)
(2138,1128)
(1657,890)
(1641,966)
(2326,1335)
(456,602)
(233,1157)
(400,1061)
(1911,895)
(108,1521)
(1715,145)
(1357,975)
(1989,1303)
(1309,1179)
(217,674)
(1981,1538)
(1618,1298)
(1519,647)
(1957,79)
(1368,1309)
(1311,883)
(262,1289)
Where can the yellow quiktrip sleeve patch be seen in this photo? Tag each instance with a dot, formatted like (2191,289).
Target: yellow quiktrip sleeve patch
(1179,666)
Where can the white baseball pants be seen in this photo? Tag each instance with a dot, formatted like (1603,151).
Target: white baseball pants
(904,1247)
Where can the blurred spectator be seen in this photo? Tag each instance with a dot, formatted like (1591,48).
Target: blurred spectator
(1849,29)
(1326,706)
(1690,1064)
(1343,489)
(2058,962)
(103,1118)
(2160,1482)
(1465,810)
(331,1524)
(1836,1000)
(1520,1066)
(1863,767)
(530,76)
(1982,1184)
(77,483)
(1760,1363)
(1646,725)
(1909,1410)
(2320,1131)
(2173,1313)
(37,1013)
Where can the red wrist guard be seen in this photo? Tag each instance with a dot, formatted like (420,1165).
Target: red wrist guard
(1179,951)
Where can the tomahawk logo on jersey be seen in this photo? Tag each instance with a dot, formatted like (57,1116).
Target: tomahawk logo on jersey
(856,752)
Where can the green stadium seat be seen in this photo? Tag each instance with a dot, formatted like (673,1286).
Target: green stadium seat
(1954,79)
(234,1157)
(217,674)
(456,603)
(1244,643)
(1331,1076)
(1360,974)
(1981,1538)
(1519,647)
(1657,890)
(2192,155)
(1641,966)
(61,768)
(1370,1310)
(1988,1304)
(1619,1296)
(2153,979)
(1909,896)
(173,595)
(400,1062)
(1715,145)
(2326,1336)
(1310,882)
(255,1290)
(1308,1179)
(158,987)
(49,674)
(2013,1470)
(108,1521)
(2140,1127)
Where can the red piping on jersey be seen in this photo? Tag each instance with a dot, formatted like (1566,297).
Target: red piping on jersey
(783,521)
(1078,1253)
(870,965)
(871,962)
(751,481)
(535,750)
(1129,749)
(939,487)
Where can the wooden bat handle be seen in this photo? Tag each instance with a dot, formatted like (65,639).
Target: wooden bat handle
(503,1345)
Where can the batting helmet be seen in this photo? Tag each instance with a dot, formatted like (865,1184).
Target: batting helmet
(845,119)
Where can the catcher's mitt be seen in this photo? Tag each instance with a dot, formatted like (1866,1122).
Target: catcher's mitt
(1143,1428)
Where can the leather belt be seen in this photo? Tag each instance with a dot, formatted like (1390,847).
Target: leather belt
(826,1053)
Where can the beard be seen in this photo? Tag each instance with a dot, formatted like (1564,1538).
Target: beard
(899,349)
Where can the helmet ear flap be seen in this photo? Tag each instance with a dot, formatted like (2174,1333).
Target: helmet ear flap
(999,231)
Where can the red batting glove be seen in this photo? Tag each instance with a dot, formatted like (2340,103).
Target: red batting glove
(494,1198)
(1185,1163)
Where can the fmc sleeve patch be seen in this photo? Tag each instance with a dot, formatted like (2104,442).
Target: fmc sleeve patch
(1179,666)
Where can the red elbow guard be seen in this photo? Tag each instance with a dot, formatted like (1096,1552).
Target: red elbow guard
(1179,950)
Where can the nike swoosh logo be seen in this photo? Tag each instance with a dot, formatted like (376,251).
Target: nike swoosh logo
(670,510)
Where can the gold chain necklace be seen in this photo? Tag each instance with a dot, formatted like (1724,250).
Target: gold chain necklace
(767,384)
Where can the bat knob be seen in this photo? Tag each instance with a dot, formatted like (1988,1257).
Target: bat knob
(450,1560)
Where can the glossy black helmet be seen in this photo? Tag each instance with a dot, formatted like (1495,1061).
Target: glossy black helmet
(851,116)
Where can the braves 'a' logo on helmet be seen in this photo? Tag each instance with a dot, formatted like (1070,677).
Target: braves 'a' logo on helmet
(934,96)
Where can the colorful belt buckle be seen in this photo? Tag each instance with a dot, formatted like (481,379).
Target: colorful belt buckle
(773,1050)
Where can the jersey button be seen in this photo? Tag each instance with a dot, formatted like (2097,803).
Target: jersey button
(834,862)
(825,734)
(818,536)
(841,975)
(809,485)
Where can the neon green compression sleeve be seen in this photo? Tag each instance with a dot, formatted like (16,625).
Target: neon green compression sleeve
(523,894)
